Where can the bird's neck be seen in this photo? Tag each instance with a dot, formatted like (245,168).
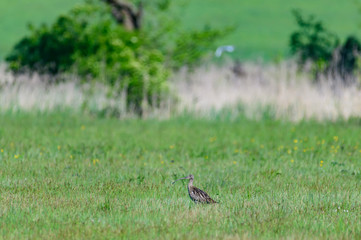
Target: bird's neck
(190,183)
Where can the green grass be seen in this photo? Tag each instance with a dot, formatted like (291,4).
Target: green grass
(263,29)
(72,177)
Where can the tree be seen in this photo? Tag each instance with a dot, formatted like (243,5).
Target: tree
(126,15)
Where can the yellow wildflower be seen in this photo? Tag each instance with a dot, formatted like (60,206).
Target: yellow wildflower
(295,141)
(212,139)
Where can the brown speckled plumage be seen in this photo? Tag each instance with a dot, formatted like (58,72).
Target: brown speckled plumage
(196,194)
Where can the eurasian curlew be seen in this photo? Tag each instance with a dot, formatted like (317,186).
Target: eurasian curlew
(197,195)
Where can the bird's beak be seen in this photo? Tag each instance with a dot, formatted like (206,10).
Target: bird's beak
(179,179)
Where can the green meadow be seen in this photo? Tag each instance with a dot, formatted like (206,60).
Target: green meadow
(263,27)
(73,175)
(68,177)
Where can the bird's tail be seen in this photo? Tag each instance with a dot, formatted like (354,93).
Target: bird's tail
(213,201)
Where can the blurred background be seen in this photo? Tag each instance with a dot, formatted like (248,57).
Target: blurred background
(292,59)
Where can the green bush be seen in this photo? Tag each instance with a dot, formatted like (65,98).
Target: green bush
(349,55)
(47,50)
(312,42)
(88,41)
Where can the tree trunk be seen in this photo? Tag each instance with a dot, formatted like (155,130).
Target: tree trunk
(125,14)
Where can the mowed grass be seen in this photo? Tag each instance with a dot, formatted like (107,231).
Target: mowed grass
(73,177)
(263,27)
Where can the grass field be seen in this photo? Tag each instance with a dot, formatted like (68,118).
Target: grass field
(263,26)
(65,176)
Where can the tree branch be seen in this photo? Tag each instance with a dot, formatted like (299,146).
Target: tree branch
(125,14)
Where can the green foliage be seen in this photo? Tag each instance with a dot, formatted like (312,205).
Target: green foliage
(89,42)
(66,177)
(192,46)
(263,27)
(349,57)
(312,41)
(180,47)
(47,50)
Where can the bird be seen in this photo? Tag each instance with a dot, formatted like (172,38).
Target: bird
(221,49)
(197,195)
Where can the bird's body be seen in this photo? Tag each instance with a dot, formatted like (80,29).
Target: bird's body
(197,195)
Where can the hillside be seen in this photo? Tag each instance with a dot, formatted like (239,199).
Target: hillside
(263,26)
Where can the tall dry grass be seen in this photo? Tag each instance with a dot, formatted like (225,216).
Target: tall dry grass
(281,88)
(35,93)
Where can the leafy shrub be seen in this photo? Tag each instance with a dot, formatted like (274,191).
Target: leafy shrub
(312,42)
(348,60)
(47,50)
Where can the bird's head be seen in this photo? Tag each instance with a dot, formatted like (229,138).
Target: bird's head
(190,177)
